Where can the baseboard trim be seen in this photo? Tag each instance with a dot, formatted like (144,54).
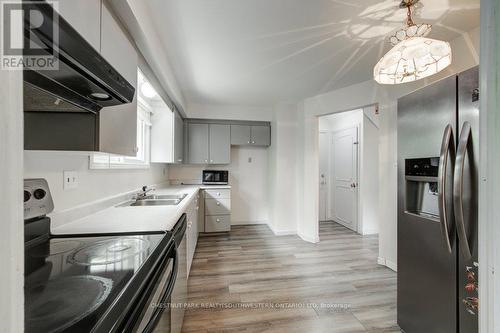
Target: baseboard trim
(282,232)
(387,263)
(248,222)
(307,238)
(370,232)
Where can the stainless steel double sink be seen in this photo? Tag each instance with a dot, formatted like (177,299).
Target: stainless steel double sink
(155,200)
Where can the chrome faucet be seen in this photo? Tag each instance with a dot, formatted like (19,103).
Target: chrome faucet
(143,193)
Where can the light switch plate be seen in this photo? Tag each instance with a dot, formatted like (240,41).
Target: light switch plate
(70,180)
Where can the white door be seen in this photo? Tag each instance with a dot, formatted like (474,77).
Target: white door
(345,177)
(324,154)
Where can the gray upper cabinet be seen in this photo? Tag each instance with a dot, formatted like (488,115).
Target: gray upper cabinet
(209,143)
(220,144)
(85,17)
(261,135)
(178,138)
(252,135)
(240,135)
(198,143)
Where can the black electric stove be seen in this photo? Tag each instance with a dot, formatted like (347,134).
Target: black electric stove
(85,284)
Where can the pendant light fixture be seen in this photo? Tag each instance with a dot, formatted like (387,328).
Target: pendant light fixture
(413,56)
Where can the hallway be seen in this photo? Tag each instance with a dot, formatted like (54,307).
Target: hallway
(290,285)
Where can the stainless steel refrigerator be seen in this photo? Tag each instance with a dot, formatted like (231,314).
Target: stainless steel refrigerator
(438,154)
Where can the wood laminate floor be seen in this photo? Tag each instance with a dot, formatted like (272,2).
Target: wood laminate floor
(251,267)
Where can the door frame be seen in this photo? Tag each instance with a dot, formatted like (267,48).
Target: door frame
(11,203)
(359,216)
(328,201)
(489,186)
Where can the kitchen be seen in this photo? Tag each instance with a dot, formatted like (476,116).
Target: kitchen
(191,167)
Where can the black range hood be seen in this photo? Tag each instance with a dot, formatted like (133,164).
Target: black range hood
(83,77)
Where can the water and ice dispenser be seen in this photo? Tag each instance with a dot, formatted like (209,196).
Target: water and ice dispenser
(421,197)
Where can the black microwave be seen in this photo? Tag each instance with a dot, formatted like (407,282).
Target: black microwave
(215,177)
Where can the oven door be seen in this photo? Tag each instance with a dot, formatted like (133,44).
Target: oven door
(152,310)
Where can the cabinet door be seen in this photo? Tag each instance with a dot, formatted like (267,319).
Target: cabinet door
(118,124)
(240,135)
(178,138)
(162,136)
(261,135)
(220,144)
(198,143)
(85,17)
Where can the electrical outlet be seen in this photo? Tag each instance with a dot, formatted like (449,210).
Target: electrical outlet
(70,180)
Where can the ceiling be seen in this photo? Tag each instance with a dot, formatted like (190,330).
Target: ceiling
(260,52)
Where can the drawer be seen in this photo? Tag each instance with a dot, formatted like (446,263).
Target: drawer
(218,193)
(217,206)
(218,223)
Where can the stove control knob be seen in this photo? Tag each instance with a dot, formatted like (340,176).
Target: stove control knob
(39,194)
(27,196)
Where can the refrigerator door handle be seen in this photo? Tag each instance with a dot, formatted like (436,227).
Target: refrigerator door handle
(447,149)
(458,188)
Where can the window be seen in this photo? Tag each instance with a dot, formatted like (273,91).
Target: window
(142,159)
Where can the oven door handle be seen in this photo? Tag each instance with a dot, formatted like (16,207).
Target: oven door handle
(163,299)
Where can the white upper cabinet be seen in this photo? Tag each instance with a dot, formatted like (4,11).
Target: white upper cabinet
(167,137)
(118,124)
(116,48)
(85,17)
(162,135)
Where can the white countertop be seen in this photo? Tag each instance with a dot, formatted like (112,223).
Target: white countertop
(131,219)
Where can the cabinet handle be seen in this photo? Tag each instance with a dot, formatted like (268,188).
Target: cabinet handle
(179,160)
(218,203)
(211,161)
(248,142)
(218,193)
(253,142)
(197,207)
(206,161)
(217,220)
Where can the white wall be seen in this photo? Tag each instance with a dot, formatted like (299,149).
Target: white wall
(248,180)
(11,204)
(93,184)
(283,187)
(369,174)
(340,121)
(355,96)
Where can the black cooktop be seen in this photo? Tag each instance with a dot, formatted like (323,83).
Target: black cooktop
(86,284)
